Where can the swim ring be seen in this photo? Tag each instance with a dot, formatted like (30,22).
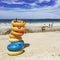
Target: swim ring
(16,33)
(18,23)
(19,43)
(14,40)
(15,47)
(13,36)
(14,53)
(18,29)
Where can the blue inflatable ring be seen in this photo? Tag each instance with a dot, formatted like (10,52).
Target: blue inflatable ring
(15,46)
(19,43)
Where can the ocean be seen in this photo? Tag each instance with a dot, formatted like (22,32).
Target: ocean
(31,20)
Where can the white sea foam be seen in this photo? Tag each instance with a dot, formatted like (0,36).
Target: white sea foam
(55,24)
(4,27)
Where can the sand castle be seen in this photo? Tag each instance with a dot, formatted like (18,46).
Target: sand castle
(17,44)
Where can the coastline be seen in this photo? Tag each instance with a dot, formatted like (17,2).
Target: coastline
(55,24)
(34,27)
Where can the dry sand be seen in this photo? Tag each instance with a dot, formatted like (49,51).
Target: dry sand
(39,46)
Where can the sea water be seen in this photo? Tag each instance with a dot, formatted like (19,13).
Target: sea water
(5,24)
(32,20)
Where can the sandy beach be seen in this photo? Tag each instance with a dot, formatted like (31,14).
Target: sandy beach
(29,29)
(39,46)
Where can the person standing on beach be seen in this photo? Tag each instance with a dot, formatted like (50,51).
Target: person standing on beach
(49,25)
(52,25)
(43,28)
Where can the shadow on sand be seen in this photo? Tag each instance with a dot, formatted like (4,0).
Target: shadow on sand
(26,45)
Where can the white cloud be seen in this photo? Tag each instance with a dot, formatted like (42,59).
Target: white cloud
(35,13)
(43,0)
(33,4)
(57,3)
(12,2)
(7,1)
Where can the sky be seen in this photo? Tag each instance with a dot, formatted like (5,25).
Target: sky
(30,9)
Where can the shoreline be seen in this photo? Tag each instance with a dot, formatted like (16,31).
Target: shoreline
(55,24)
(32,27)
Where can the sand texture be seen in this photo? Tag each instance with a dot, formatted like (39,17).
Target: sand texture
(38,46)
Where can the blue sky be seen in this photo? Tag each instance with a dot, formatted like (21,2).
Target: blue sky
(29,9)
